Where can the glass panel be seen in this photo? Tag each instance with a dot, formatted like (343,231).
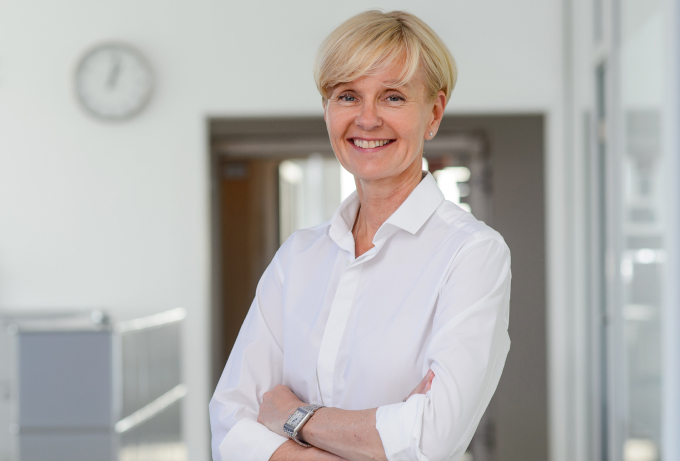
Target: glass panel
(151,365)
(309,192)
(158,439)
(453,182)
(642,254)
(151,407)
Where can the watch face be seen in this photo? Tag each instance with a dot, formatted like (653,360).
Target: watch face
(296,418)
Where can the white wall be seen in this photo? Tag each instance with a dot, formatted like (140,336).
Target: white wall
(116,215)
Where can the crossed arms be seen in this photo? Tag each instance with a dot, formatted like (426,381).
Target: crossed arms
(329,430)
(466,351)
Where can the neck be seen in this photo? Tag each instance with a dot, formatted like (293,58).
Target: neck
(379,200)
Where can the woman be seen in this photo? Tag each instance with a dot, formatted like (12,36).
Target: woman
(401,289)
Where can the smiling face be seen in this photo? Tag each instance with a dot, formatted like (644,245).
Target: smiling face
(378,130)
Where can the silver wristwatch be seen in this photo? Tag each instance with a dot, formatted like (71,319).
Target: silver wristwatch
(298,419)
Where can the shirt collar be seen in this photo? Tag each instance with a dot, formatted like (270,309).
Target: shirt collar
(418,206)
(343,221)
(410,216)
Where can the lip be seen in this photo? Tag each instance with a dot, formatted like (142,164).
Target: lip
(369,149)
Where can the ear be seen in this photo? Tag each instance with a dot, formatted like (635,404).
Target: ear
(324,104)
(437,111)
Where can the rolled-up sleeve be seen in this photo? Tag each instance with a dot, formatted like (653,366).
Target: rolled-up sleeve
(254,367)
(467,352)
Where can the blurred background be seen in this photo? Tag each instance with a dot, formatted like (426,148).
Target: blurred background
(154,155)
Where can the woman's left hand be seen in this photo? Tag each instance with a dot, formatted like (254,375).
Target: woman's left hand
(277,406)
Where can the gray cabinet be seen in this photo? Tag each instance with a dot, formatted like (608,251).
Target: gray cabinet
(78,388)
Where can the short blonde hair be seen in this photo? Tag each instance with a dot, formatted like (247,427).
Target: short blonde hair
(374,40)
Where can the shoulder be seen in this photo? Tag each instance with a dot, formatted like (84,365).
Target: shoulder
(465,230)
(312,239)
(303,239)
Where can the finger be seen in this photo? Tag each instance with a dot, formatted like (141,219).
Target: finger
(431,373)
(424,385)
(427,380)
(421,386)
(428,384)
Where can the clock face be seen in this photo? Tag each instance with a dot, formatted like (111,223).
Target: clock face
(113,81)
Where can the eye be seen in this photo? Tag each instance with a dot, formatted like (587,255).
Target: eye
(347,97)
(395,98)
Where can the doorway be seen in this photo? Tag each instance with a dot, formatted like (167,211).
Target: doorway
(271,176)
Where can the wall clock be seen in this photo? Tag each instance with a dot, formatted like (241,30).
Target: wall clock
(113,81)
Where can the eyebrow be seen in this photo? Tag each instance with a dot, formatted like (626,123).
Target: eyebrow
(388,87)
(395,88)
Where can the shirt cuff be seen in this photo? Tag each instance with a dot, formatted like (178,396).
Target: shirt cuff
(400,426)
(249,440)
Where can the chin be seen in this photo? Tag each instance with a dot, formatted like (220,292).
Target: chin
(374,172)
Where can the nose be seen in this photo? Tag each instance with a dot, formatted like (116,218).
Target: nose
(368,117)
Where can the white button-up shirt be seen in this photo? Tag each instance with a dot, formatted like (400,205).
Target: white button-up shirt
(358,333)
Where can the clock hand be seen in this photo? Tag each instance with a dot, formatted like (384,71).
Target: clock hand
(115,71)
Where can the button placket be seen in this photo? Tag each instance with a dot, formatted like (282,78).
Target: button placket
(335,330)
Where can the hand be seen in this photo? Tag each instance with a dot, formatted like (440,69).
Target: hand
(277,406)
(424,386)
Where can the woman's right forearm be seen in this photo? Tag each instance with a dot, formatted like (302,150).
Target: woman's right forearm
(291,451)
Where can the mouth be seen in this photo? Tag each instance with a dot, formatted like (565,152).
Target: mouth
(366,144)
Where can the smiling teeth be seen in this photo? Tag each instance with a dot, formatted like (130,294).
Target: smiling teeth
(370,144)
